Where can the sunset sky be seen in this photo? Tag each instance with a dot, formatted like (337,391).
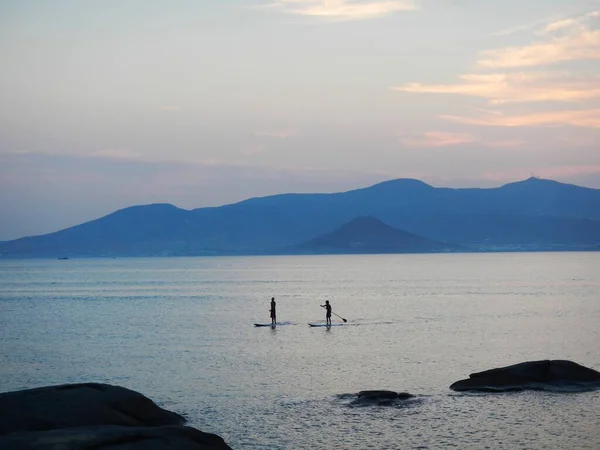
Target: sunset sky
(114,103)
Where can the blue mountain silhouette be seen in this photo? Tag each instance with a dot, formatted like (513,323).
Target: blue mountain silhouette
(534,214)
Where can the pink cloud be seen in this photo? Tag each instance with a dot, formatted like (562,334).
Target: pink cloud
(578,43)
(559,25)
(519,87)
(437,139)
(579,118)
(568,39)
(342,9)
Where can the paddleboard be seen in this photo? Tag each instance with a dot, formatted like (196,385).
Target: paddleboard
(325,325)
(271,324)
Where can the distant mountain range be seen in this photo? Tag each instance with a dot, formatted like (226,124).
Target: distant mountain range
(396,216)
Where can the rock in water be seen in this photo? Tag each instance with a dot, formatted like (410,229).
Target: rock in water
(80,405)
(380,397)
(113,437)
(552,375)
(94,416)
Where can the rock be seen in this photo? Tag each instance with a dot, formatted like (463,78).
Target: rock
(554,375)
(385,395)
(93,416)
(113,437)
(80,405)
(380,397)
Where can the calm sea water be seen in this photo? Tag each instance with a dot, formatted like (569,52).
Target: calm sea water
(180,330)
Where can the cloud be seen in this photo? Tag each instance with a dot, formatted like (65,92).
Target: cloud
(342,10)
(548,24)
(570,39)
(518,87)
(559,25)
(579,118)
(524,27)
(437,139)
(584,45)
(487,111)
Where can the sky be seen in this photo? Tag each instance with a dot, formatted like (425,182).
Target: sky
(114,103)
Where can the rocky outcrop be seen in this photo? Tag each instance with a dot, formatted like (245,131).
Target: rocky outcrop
(112,437)
(552,375)
(94,416)
(380,397)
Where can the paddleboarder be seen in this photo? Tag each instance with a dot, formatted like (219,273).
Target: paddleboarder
(273,314)
(327,306)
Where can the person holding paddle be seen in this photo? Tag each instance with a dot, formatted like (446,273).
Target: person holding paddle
(328,314)
(273,314)
(327,306)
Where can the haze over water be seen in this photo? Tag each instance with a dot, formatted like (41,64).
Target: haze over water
(180,330)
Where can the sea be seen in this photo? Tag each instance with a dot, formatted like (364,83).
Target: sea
(181,331)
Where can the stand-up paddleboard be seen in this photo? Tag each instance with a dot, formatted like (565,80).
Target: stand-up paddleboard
(271,324)
(325,325)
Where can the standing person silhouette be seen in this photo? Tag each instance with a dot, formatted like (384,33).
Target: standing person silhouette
(273,313)
(327,306)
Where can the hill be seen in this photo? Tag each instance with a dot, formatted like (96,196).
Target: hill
(367,234)
(533,214)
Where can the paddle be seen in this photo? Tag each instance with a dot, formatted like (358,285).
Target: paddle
(335,314)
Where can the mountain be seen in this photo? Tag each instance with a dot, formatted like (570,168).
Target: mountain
(367,234)
(533,214)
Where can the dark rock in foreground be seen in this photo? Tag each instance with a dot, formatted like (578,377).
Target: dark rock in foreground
(94,416)
(113,437)
(80,405)
(380,397)
(550,375)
